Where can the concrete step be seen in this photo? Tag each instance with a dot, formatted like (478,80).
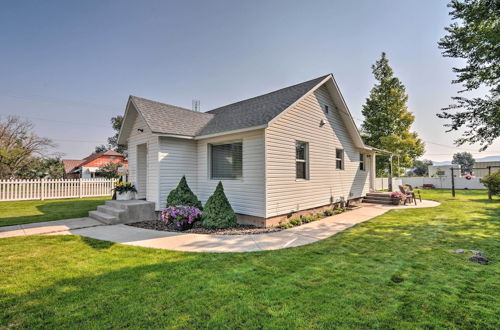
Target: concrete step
(117,212)
(379,198)
(379,194)
(104,217)
(377,201)
(124,205)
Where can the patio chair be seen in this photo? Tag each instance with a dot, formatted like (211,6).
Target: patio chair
(408,195)
(416,194)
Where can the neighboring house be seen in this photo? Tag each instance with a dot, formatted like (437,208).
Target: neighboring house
(293,149)
(86,168)
(481,166)
(436,171)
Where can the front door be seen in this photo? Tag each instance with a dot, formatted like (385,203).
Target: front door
(142,170)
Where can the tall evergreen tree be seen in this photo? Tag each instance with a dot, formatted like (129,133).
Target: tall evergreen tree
(387,119)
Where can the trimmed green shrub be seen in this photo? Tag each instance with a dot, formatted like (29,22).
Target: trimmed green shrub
(307,219)
(295,221)
(285,225)
(182,195)
(218,213)
(492,182)
(318,216)
(328,213)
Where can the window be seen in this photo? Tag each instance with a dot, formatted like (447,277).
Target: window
(339,159)
(301,159)
(226,161)
(361,162)
(326,109)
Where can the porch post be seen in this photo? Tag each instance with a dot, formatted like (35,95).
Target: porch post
(390,173)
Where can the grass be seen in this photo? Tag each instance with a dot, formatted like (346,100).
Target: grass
(395,271)
(16,213)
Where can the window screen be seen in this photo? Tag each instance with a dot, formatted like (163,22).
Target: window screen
(226,161)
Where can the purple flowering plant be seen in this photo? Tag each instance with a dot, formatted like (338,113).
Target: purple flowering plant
(180,215)
(398,194)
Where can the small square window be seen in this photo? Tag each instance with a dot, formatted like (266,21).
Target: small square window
(326,109)
(339,159)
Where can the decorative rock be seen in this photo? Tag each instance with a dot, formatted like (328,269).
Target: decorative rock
(477,253)
(479,259)
(458,251)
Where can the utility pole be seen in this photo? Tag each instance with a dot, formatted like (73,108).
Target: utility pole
(489,191)
(452,182)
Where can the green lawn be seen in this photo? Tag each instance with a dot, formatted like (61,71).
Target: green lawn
(395,271)
(16,213)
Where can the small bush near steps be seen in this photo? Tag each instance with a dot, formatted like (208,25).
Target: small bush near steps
(306,219)
(218,213)
(183,195)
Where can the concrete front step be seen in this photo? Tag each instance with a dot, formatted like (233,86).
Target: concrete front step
(117,212)
(114,212)
(372,201)
(104,217)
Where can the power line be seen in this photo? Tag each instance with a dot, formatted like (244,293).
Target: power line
(61,121)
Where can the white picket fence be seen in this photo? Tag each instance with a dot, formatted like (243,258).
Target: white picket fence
(22,190)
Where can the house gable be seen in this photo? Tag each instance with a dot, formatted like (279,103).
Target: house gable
(324,132)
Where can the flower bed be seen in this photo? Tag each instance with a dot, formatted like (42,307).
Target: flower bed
(197,228)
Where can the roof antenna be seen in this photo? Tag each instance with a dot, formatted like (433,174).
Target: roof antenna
(196,105)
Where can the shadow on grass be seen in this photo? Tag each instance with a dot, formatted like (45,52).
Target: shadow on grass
(50,210)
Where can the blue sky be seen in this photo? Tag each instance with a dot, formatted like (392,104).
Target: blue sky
(69,66)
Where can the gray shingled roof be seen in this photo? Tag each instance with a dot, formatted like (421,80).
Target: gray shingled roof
(257,111)
(169,119)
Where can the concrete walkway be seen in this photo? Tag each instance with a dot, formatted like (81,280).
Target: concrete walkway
(124,234)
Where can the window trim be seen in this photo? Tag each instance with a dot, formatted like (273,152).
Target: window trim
(209,160)
(362,162)
(341,159)
(305,161)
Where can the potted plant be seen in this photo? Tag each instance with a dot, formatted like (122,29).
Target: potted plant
(125,191)
(397,197)
(182,216)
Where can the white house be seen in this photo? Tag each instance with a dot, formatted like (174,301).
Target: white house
(290,150)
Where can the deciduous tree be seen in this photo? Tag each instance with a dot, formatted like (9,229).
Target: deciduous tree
(475,37)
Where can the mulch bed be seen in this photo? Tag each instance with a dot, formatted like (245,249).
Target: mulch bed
(197,229)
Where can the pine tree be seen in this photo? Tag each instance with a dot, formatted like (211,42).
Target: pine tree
(218,213)
(387,119)
(182,195)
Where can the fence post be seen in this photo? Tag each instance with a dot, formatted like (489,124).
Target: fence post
(80,188)
(42,189)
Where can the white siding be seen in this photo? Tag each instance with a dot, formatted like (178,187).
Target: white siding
(177,157)
(247,196)
(325,184)
(151,178)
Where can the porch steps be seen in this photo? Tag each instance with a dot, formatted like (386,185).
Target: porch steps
(378,198)
(114,212)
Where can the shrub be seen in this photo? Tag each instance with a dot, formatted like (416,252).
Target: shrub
(182,195)
(492,182)
(181,216)
(328,213)
(218,213)
(318,216)
(285,225)
(339,210)
(296,221)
